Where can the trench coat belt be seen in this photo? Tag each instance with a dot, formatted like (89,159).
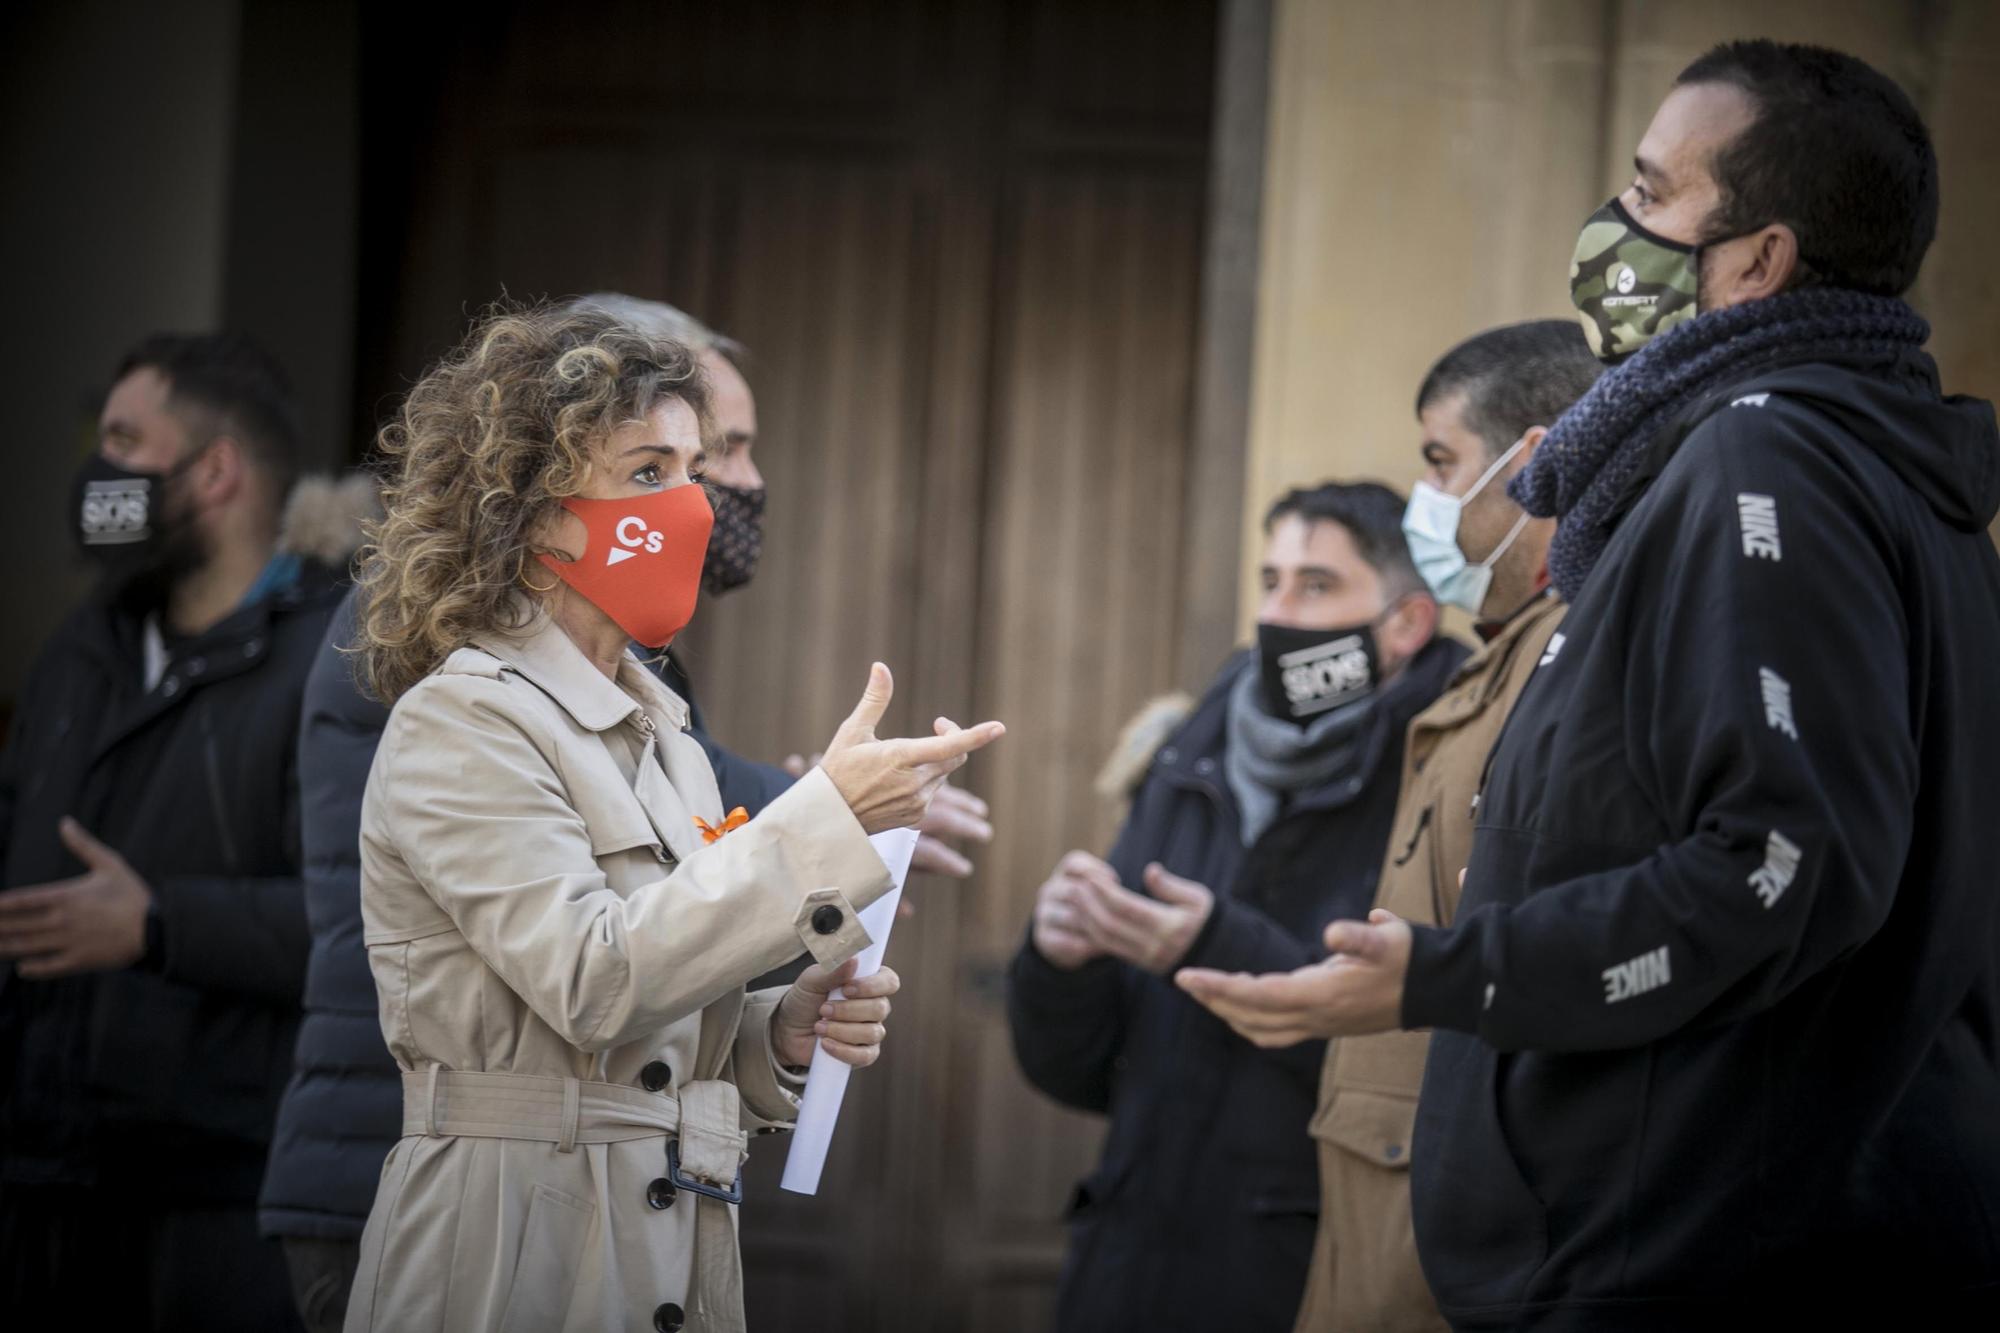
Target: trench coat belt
(705,1115)
(439,1102)
(453,1103)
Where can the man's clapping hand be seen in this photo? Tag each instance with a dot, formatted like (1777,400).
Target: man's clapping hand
(1358,990)
(1083,912)
(95,922)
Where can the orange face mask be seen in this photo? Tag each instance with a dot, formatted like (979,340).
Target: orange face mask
(641,561)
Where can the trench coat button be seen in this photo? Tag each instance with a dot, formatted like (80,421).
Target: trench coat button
(826,920)
(669,1319)
(1394,1152)
(655,1076)
(660,1194)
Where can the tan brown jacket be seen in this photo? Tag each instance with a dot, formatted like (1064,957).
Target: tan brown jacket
(561,962)
(1364,1271)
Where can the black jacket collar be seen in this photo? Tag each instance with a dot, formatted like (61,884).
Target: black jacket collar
(1192,758)
(111,635)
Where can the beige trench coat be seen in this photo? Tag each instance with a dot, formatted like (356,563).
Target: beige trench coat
(561,962)
(1364,1271)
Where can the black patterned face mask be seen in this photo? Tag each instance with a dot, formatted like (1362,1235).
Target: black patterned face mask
(1307,672)
(127,525)
(736,540)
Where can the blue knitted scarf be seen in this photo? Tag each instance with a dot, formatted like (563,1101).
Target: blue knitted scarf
(1594,451)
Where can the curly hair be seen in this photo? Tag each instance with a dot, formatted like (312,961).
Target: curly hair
(479,459)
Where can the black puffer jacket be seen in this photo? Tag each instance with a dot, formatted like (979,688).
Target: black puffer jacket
(743,782)
(168,1072)
(1724,989)
(1201,1213)
(343,1109)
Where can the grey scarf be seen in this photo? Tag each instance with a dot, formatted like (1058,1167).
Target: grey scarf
(1593,453)
(1270,758)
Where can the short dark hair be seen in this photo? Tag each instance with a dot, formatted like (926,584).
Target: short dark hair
(1514,377)
(1373,517)
(224,383)
(1837,153)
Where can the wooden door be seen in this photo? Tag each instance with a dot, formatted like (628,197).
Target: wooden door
(964,246)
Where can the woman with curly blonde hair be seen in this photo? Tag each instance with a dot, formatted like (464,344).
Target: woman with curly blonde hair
(559,929)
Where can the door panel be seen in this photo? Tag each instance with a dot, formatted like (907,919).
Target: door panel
(1092,381)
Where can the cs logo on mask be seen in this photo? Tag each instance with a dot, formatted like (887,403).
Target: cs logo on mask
(633,534)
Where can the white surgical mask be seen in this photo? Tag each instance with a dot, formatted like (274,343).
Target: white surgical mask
(1430,526)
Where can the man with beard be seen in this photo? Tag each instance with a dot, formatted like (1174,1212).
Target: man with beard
(1259,819)
(152,924)
(1716,1019)
(344,1108)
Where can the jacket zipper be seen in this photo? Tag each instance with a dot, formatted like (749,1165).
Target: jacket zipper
(1438,871)
(220,806)
(1501,669)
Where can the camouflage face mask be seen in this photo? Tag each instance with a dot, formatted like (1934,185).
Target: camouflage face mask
(1629,284)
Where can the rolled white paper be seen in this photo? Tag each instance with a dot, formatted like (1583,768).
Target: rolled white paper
(826,1081)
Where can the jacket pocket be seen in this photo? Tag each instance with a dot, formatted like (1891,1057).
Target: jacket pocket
(611,842)
(1294,1202)
(1374,1126)
(545,1272)
(1416,835)
(1484,1229)
(617,822)
(1410,883)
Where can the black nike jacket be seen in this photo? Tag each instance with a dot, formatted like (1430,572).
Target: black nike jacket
(1721,1007)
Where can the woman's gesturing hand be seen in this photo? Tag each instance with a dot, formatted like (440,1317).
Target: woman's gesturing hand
(850,1029)
(889,784)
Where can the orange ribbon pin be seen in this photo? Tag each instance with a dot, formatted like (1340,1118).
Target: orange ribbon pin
(712,833)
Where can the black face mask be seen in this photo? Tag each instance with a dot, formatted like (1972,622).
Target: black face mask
(125,525)
(736,540)
(1309,672)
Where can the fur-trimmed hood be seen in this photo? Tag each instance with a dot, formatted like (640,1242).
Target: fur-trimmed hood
(1140,741)
(323,516)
